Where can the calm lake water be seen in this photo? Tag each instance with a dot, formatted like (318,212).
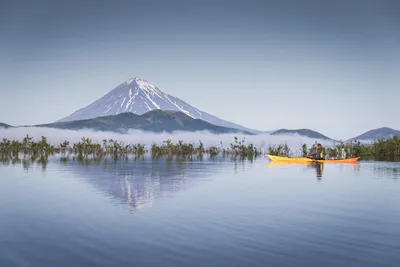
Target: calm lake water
(199,213)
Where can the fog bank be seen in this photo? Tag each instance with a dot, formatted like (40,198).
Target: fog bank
(57,136)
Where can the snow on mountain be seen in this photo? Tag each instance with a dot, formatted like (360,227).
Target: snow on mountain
(138,96)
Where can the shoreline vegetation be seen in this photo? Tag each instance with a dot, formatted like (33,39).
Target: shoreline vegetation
(27,150)
(379,150)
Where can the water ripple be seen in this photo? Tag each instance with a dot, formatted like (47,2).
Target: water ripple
(199,213)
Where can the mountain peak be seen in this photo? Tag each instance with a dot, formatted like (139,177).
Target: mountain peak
(136,80)
(139,84)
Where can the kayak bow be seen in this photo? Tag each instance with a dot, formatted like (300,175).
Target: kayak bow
(303,159)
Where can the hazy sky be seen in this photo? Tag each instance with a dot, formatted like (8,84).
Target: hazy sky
(331,66)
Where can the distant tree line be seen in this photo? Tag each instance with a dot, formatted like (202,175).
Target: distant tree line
(379,150)
(86,150)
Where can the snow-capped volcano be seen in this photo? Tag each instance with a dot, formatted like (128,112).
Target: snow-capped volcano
(138,96)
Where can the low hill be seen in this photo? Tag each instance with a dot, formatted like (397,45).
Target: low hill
(301,132)
(265,132)
(3,125)
(384,132)
(153,121)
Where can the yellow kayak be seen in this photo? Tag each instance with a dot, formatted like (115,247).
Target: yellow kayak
(305,160)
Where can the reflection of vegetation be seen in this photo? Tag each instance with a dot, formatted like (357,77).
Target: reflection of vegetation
(385,171)
(88,151)
(28,151)
(238,148)
(31,151)
(379,150)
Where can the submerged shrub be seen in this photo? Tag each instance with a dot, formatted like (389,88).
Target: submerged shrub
(86,149)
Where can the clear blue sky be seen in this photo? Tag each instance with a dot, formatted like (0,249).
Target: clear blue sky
(331,66)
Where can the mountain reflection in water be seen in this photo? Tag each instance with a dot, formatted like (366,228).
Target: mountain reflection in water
(138,183)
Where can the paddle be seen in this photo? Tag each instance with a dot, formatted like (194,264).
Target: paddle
(314,160)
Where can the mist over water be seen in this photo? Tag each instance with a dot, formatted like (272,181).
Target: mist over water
(57,136)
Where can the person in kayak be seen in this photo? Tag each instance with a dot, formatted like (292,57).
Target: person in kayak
(318,154)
